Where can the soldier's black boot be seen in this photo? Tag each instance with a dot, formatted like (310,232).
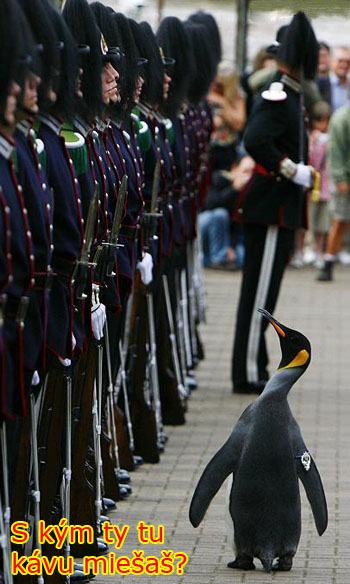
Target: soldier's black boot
(326,273)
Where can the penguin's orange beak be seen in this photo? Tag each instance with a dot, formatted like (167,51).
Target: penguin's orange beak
(276,325)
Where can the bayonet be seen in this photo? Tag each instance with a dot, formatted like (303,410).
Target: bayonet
(119,210)
(155,188)
(90,227)
(112,242)
(79,278)
(150,220)
(104,259)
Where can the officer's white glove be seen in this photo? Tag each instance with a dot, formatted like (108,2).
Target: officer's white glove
(98,314)
(303,176)
(68,362)
(145,268)
(300,174)
(35,378)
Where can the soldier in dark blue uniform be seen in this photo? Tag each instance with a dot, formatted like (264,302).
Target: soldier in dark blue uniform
(174,40)
(98,78)
(157,231)
(39,203)
(18,259)
(16,268)
(92,125)
(273,204)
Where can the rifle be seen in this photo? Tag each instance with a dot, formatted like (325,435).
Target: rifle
(126,449)
(96,427)
(198,284)
(55,418)
(150,219)
(6,516)
(183,307)
(104,259)
(126,399)
(183,394)
(172,407)
(145,431)
(83,490)
(153,370)
(180,326)
(149,225)
(82,266)
(119,474)
(67,468)
(35,472)
(6,562)
(191,302)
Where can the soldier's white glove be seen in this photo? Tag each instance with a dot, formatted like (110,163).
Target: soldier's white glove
(303,176)
(67,362)
(145,268)
(300,174)
(35,378)
(98,314)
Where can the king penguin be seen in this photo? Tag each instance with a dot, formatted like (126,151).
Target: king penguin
(266,455)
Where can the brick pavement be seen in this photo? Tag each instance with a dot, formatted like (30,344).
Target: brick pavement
(320,402)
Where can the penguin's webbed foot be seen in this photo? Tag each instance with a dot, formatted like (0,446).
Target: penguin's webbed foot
(242,563)
(284,564)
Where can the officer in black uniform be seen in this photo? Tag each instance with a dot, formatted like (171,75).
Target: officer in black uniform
(272,206)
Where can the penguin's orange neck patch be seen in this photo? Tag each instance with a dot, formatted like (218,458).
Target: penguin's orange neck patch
(298,361)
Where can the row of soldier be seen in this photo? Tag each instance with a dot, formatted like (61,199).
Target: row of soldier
(104,132)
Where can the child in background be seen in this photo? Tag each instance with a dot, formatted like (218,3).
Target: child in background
(319,199)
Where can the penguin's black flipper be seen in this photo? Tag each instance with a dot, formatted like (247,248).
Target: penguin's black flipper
(314,491)
(217,470)
(310,477)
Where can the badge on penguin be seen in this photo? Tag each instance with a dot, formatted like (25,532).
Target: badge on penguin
(267,457)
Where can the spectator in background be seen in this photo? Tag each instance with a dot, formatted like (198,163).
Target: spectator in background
(339,79)
(320,196)
(323,73)
(218,235)
(264,65)
(339,168)
(228,106)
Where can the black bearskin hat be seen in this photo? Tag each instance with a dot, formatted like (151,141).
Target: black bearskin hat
(131,70)
(83,26)
(299,47)
(174,41)
(205,64)
(29,58)
(44,34)
(10,48)
(281,32)
(211,25)
(66,90)
(273,49)
(153,70)
(105,18)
